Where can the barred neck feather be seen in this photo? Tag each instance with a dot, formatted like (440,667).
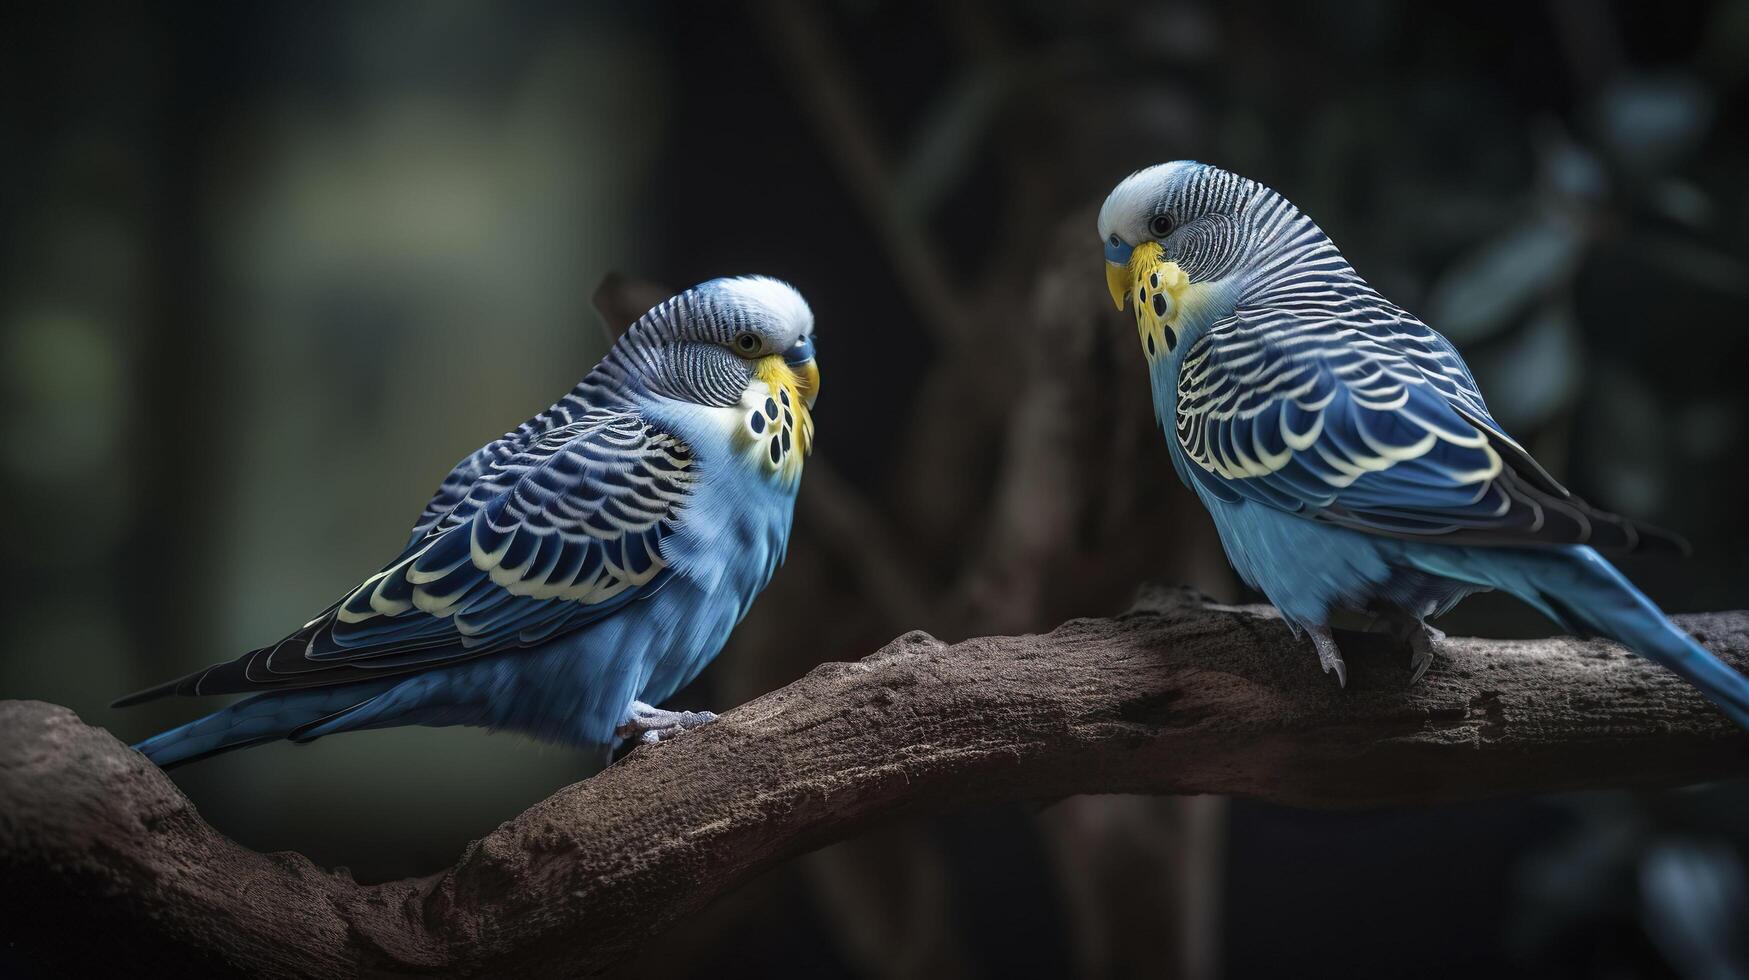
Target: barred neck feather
(1296,263)
(645,359)
(617,381)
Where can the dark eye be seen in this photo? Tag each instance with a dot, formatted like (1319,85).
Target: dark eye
(1160,225)
(747,343)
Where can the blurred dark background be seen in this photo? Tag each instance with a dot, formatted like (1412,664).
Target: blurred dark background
(266,271)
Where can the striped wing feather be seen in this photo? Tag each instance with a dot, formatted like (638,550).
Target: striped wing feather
(1364,417)
(546,539)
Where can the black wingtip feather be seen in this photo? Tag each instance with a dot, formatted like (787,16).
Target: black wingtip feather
(1602,530)
(149,694)
(1620,535)
(1655,540)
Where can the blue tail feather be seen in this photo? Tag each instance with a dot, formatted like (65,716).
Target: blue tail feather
(262,718)
(1578,588)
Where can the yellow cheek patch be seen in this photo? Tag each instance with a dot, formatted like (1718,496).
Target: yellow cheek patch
(1159,290)
(778,425)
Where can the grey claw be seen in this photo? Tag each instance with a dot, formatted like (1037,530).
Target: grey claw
(1328,655)
(1418,666)
(652,725)
(1421,645)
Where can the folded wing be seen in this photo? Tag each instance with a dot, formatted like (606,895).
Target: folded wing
(1370,420)
(547,539)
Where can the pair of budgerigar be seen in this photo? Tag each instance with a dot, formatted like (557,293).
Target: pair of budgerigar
(576,572)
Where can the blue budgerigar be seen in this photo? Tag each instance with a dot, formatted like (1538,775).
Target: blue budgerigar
(1341,444)
(578,570)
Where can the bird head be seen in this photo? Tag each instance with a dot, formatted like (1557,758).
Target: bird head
(744,343)
(1180,238)
(708,344)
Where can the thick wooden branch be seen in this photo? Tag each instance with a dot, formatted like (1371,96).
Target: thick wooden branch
(107,863)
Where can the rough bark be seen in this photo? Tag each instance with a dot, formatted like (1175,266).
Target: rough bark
(107,863)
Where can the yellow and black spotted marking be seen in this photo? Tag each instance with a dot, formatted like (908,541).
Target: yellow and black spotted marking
(777,420)
(1158,286)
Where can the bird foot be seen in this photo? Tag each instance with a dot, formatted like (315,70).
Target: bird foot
(1423,643)
(1328,655)
(651,725)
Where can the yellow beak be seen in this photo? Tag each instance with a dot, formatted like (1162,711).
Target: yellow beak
(1117,279)
(809,374)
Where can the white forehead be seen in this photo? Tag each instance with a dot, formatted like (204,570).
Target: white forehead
(1138,195)
(770,299)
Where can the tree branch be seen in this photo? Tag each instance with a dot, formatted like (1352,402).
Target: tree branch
(1178,696)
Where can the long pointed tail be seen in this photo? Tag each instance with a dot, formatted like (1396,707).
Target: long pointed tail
(1582,591)
(262,718)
